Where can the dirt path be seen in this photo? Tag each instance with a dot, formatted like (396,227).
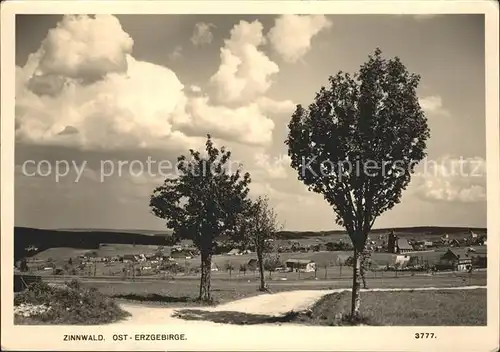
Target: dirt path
(268,304)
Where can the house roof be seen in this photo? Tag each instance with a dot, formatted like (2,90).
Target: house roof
(300,261)
(235,250)
(403,244)
(129,256)
(450,254)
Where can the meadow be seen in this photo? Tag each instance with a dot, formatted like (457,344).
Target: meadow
(182,291)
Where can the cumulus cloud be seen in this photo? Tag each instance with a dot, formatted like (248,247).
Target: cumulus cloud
(202,34)
(245,72)
(452,179)
(292,34)
(85,48)
(248,122)
(93,94)
(433,105)
(120,110)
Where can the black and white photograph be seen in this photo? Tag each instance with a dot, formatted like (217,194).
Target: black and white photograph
(277,169)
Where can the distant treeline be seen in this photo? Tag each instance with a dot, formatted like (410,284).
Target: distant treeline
(417,230)
(25,237)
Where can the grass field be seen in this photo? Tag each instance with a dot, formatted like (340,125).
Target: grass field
(407,308)
(425,308)
(182,292)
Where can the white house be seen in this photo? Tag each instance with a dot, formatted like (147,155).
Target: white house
(302,265)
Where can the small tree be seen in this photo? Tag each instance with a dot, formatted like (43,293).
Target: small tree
(23,265)
(70,261)
(229,267)
(259,225)
(202,202)
(358,143)
(271,263)
(243,268)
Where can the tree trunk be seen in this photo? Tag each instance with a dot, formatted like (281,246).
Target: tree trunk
(206,270)
(356,285)
(261,270)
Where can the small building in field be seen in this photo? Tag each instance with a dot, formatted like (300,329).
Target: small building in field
(129,258)
(234,251)
(453,259)
(252,264)
(454,243)
(214,267)
(402,260)
(302,265)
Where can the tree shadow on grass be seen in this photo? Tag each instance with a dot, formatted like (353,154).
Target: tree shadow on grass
(156,298)
(153,297)
(237,318)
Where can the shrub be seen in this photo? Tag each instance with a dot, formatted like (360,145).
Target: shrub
(73,304)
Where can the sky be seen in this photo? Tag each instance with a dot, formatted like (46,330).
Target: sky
(99,96)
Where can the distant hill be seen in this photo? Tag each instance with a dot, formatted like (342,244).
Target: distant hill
(135,231)
(417,230)
(81,238)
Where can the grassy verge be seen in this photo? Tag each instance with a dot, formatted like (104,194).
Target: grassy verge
(41,303)
(406,308)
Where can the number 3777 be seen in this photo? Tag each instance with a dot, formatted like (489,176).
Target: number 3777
(425,335)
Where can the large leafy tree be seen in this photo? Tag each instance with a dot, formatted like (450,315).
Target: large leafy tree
(358,143)
(203,202)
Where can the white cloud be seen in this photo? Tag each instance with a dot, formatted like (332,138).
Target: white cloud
(85,48)
(176,54)
(452,179)
(433,105)
(136,109)
(292,34)
(247,122)
(245,71)
(195,89)
(202,34)
(135,103)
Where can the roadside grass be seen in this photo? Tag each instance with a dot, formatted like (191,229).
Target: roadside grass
(174,294)
(41,303)
(403,308)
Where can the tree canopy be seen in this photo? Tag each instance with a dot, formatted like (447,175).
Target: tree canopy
(359,141)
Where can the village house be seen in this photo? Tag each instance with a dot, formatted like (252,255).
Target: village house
(454,243)
(453,259)
(300,265)
(234,251)
(130,258)
(252,264)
